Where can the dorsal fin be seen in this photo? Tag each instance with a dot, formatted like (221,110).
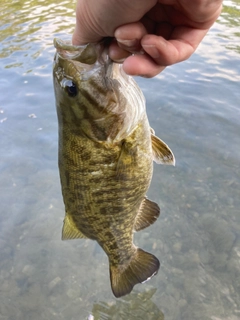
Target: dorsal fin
(148,213)
(162,154)
(70,230)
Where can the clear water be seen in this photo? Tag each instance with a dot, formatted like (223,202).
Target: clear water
(194,107)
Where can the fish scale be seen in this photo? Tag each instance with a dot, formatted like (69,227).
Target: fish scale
(106,153)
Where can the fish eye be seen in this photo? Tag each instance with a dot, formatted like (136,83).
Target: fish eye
(70,88)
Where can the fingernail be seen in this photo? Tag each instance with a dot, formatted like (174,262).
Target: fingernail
(119,60)
(128,43)
(152,51)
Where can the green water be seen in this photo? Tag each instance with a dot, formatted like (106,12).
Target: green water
(194,107)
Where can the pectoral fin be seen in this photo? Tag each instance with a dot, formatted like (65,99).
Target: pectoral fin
(162,154)
(70,230)
(148,213)
(125,160)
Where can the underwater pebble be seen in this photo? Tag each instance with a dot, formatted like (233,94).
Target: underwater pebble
(28,270)
(177,247)
(176,271)
(233,267)
(219,261)
(177,234)
(205,256)
(219,234)
(195,214)
(71,293)
(182,303)
(53,283)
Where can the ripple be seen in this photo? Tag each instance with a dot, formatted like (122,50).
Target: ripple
(32,28)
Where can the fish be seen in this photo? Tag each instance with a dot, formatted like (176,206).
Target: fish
(106,153)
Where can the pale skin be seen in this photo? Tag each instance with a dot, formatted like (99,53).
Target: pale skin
(147,35)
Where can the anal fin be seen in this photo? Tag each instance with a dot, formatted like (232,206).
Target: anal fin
(162,154)
(148,213)
(70,231)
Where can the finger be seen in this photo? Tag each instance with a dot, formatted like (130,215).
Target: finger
(181,45)
(141,65)
(129,36)
(116,53)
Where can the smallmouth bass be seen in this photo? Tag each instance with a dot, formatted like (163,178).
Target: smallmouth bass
(106,153)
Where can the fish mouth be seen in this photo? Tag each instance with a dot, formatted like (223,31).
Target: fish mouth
(91,53)
(90,60)
(85,53)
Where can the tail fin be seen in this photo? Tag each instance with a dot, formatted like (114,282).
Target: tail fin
(142,267)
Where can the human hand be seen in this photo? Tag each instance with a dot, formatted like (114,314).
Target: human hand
(157,34)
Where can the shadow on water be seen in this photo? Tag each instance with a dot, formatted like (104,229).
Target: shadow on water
(137,305)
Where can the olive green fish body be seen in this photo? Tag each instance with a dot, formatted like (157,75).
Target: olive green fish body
(104,184)
(106,152)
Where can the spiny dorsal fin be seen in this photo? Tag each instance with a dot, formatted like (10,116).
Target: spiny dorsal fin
(142,267)
(70,230)
(148,213)
(162,154)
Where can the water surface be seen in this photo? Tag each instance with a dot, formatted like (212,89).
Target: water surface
(194,107)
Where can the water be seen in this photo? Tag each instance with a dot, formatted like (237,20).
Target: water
(194,107)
